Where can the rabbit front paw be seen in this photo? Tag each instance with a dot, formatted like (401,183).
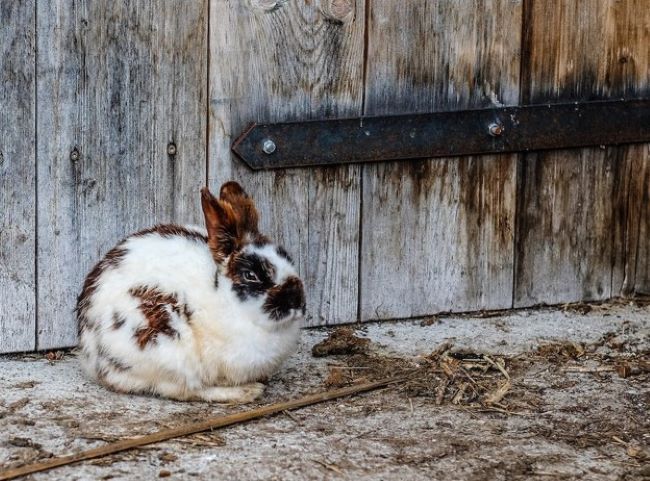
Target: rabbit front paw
(233,394)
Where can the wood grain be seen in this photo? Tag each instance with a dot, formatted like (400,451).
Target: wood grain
(437,235)
(575,236)
(17,176)
(118,82)
(278,61)
(636,248)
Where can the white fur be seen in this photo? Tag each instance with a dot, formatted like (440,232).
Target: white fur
(219,355)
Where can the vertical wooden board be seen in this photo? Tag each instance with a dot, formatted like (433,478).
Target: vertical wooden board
(437,235)
(565,242)
(117,82)
(17,176)
(573,230)
(642,279)
(276,61)
(637,245)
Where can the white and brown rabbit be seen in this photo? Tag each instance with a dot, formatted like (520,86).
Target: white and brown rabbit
(192,314)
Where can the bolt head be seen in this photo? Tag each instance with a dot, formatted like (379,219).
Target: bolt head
(75,155)
(495,129)
(171,148)
(268,146)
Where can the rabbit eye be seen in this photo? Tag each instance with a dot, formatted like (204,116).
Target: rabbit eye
(251,276)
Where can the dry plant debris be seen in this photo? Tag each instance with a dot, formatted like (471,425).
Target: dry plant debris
(446,377)
(468,379)
(341,341)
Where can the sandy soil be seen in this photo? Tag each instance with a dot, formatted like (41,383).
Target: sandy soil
(535,394)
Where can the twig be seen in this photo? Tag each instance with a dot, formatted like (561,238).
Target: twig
(292,417)
(590,370)
(193,428)
(497,366)
(459,394)
(348,368)
(496,396)
(440,391)
(498,410)
(329,466)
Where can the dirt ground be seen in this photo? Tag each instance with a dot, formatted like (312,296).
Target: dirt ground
(560,393)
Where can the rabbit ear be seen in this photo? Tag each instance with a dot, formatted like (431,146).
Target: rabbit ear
(222,224)
(241,202)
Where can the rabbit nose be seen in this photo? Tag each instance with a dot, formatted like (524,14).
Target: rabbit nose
(292,290)
(285,299)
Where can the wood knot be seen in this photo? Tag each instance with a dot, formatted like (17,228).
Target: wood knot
(266,5)
(338,10)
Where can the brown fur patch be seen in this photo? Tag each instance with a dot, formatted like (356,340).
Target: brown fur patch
(243,205)
(222,224)
(110,260)
(113,258)
(260,240)
(172,230)
(231,220)
(155,305)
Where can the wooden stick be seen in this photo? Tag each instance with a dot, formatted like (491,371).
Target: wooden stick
(194,428)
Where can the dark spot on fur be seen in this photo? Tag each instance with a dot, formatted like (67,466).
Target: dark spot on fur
(187,313)
(118,320)
(245,288)
(172,230)
(284,254)
(110,260)
(109,362)
(106,364)
(116,364)
(157,307)
(290,295)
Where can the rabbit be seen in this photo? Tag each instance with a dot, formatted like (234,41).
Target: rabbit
(189,313)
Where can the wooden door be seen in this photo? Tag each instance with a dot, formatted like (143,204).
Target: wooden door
(116,113)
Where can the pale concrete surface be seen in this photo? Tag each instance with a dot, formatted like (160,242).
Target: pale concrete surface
(50,407)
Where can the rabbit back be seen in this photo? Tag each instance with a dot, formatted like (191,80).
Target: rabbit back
(134,310)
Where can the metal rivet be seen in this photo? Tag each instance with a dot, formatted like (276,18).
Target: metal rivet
(268,146)
(171,148)
(495,129)
(74,155)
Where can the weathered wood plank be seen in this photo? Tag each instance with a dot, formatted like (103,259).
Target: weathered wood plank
(17,176)
(276,61)
(118,82)
(573,230)
(437,235)
(636,249)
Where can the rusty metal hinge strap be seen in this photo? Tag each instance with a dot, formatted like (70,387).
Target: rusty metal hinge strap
(444,134)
